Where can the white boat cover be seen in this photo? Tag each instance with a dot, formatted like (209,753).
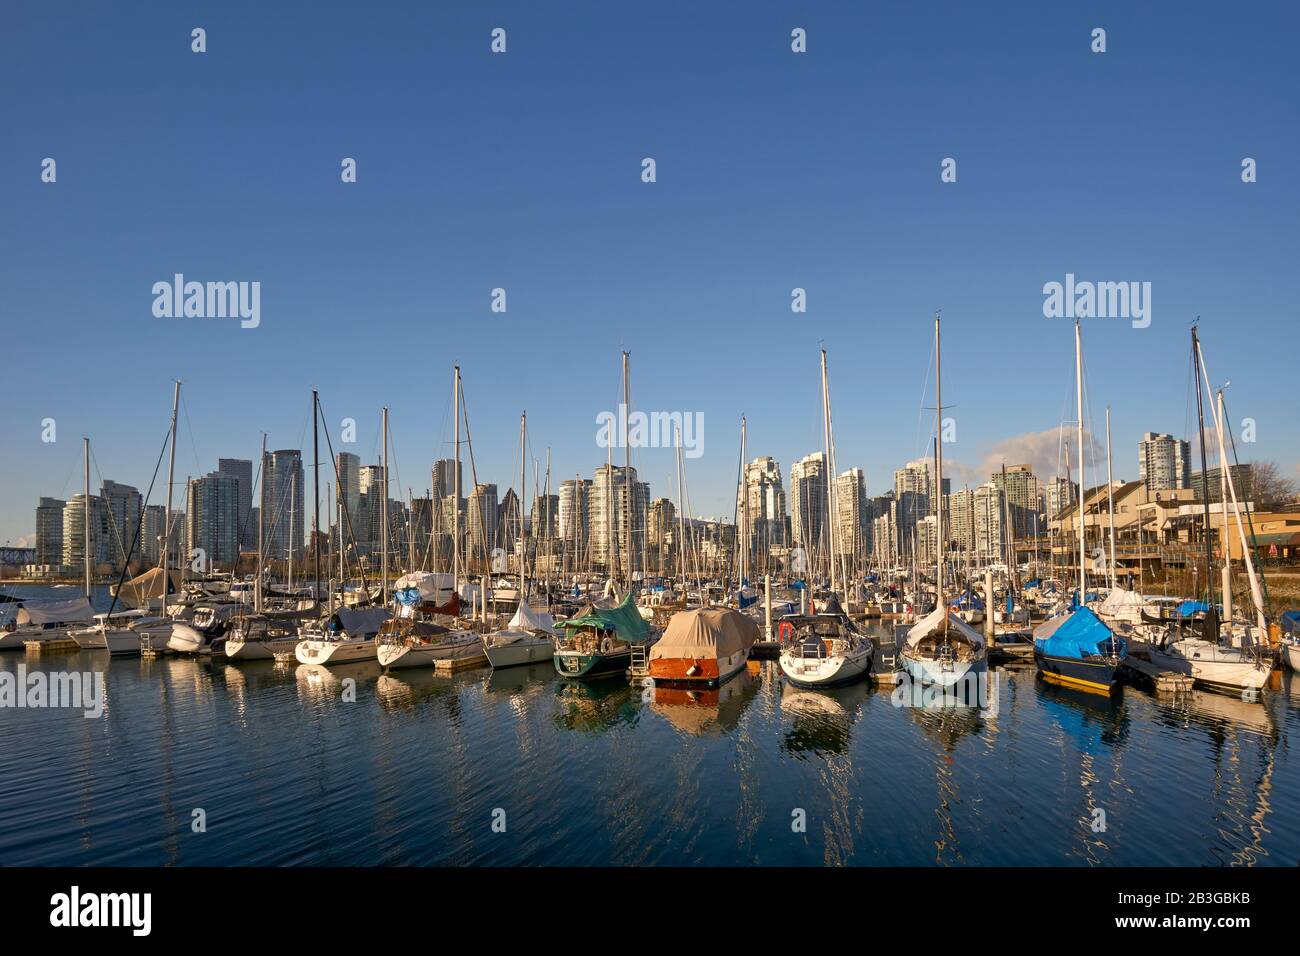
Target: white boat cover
(1120,600)
(705,634)
(362,620)
(528,618)
(433,588)
(73,610)
(933,621)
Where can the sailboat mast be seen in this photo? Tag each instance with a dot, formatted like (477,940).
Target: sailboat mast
(455,503)
(1110,499)
(681,516)
(383,521)
(938,468)
(1078,407)
(523,476)
(167,512)
(85,516)
(315,488)
(744,497)
(261,535)
(830,478)
(627,466)
(1205,484)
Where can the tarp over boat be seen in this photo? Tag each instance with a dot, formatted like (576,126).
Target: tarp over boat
(147,587)
(358,621)
(40,613)
(625,620)
(705,634)
(528,618)
(420,587)
(1120,600)
(1079,634)
(932,623)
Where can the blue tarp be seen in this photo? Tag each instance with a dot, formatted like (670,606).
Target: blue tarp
(969,600)
(745,601)
(408,597)
(1080,635)
(1189,608)
(1034,583)
(1291,622)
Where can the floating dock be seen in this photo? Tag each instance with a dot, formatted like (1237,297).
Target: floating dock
(456,665)
(1139,666)
(59,645)
(884,663)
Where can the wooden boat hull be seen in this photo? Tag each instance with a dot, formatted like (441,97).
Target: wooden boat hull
(580,666)
(696,672)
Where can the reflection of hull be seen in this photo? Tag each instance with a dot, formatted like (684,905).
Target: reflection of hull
(826,671)
(521,652)
(1212,666)
(458,645)
(580,666)
(336,652)
(1097,674)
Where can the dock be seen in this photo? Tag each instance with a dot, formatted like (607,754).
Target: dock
(458,664)
(58,645)
(884,663)
(1139,666)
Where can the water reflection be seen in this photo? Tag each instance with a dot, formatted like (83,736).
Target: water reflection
(596,706)
(820,721)
(700,711)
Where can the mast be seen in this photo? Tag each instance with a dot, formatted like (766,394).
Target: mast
(455,503)
(1078,402)
(1212,618)
(627,467)
(938,471)
(1110,499)
(167,512)
(830,477)
(293,494)
(744,497)
(85,514)
(523,533)
(681,517)
(315,487)
(383,521)
(261,537)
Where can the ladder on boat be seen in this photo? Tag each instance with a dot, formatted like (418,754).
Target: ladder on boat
(640,662)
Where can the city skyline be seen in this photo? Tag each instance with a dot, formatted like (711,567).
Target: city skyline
(692,273)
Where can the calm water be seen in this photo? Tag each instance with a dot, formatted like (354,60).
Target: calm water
(412,771)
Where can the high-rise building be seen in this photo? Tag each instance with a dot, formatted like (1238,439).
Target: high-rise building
(544,522)
(212,519)
(808,503)
(49,531)
(990,522)
(151,532)
(1164,461)
(1061,493)
(368,526)
(241,469)
(852,515)
(122,505)
(927,541)
(509,522)
(444,477)
(1022,490)
(663,534)
(619,505)
(74,532)
(961,520)
(762,493)
(349,494)
(481,514)
(1243,483)
(282,503)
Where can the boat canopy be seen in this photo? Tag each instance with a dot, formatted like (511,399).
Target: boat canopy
(705,634)
(933,622)
(1078,635)
(1189,608)
(41,613)
(420,587)
(528,618)
(1120,599)
(358,620)
(625,620)
(146,587)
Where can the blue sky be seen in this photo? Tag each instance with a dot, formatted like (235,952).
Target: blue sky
(522,171)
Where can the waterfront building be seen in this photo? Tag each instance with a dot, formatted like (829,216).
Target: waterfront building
(852,515)
(762,492)
(122,505)
(49,531)
(241,469)
(282,500)
(616,490)
(481,514)
(74,532)
(663,534)
(212,520)
(1243,483)
(1023,493)
(808,506)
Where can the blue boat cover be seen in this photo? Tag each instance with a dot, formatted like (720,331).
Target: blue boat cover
(969,599)
(1291,621)
(746,601)
(1078,635)
(1034,583)
(407,597)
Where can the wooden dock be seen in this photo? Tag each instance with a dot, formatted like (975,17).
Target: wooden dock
(884,663)
(456,665)
(59,645)
(1162,681)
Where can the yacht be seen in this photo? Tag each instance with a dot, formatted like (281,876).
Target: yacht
(527,639)
(348,636)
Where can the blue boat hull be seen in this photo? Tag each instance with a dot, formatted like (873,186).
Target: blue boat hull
(1096,674)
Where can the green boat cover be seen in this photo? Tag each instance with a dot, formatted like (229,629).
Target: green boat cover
(625,620)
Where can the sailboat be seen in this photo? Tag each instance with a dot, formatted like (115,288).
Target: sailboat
(1077,648)
(530,635)
(827,648)
(413,638)
(941,648)
(1199,652)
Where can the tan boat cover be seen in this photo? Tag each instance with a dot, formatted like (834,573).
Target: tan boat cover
(705,634)
(143,588)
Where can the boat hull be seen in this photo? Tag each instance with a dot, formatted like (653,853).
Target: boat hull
(925,670)
(520,653)
(1220,673)
(1291,653)
(404,656)
(240,650)
(826,671)
(1099,675)
(578,666)
(186,639)
(336,652)
(697,672)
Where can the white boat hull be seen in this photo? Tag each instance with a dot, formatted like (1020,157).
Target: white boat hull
(403,656)
(241,650)
(945,673)
(336,652)
(826,671)
(1292,654)
(186,639)
(1213,666)
(519,653)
